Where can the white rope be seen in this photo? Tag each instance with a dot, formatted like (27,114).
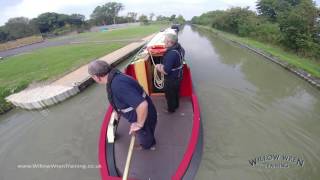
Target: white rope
(158,81)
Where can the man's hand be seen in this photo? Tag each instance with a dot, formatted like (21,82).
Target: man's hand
(135,127)
(117,116)
(160,68)
(142,112)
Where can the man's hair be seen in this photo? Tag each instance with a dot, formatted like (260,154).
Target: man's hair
(173,37)
(99,68)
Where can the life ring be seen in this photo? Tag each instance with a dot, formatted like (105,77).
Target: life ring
(157,50)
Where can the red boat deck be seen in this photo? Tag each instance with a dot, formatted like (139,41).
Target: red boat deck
(172,134)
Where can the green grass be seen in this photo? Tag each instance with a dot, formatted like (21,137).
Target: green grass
(17,72)
(309,65)
(116,34)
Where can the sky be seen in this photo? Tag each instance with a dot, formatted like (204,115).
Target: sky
(187,8)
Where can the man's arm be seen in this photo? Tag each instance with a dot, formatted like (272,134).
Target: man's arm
(168,63)
(142,112)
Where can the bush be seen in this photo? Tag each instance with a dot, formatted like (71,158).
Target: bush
(246,29)
(295,25)
(143,20)
(4,106)
(240,21)
(63,30)
(267,32)
(309,49)
(6,91)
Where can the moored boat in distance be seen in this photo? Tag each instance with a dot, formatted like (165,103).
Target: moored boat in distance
(178,135)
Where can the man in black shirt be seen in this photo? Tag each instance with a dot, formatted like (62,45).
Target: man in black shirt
(172,68)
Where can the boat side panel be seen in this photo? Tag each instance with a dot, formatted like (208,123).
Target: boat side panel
(186,84)
(131,71)
(187,87)
(192,142)
(102,145)
(197,155)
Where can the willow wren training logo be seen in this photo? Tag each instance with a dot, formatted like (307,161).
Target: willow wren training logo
(276,161)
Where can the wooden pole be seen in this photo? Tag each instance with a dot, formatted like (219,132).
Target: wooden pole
(126,169)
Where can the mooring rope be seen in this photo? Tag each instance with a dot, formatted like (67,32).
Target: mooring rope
(158,81)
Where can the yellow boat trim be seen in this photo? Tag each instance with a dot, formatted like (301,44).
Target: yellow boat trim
(141,74)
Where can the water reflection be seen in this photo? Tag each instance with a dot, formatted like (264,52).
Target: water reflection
(271,83)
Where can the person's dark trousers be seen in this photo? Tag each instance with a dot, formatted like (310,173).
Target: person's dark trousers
(146,134)
(171,90)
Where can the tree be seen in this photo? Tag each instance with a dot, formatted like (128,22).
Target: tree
(162,18)
(273,8)
(151,16)
(123,19)
(317,28)
(180,19)
(294,24)
(195,20)
(298,22)
(99,16)
(18,27)
(236,20)
(132,16)
(4,35)
(143,19)
(267,8)
(33,25)
(107,12)
(47,22)
(115,8)
(299,25)
(172,17)
(77,19)
(62,20)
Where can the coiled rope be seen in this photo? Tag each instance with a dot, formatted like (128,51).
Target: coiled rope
(158,80)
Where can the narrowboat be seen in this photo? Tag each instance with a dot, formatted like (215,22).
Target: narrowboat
(179,135)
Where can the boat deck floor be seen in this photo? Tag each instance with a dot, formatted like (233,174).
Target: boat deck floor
(172,134)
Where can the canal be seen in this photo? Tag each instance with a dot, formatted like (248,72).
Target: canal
(251,109)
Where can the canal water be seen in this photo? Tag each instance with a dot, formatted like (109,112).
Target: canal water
(252,109)
(259,121)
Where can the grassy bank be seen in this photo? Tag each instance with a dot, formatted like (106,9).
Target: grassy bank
(17,72)
(308,65)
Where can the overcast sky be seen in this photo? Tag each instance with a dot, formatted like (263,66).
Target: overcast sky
(187,8)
